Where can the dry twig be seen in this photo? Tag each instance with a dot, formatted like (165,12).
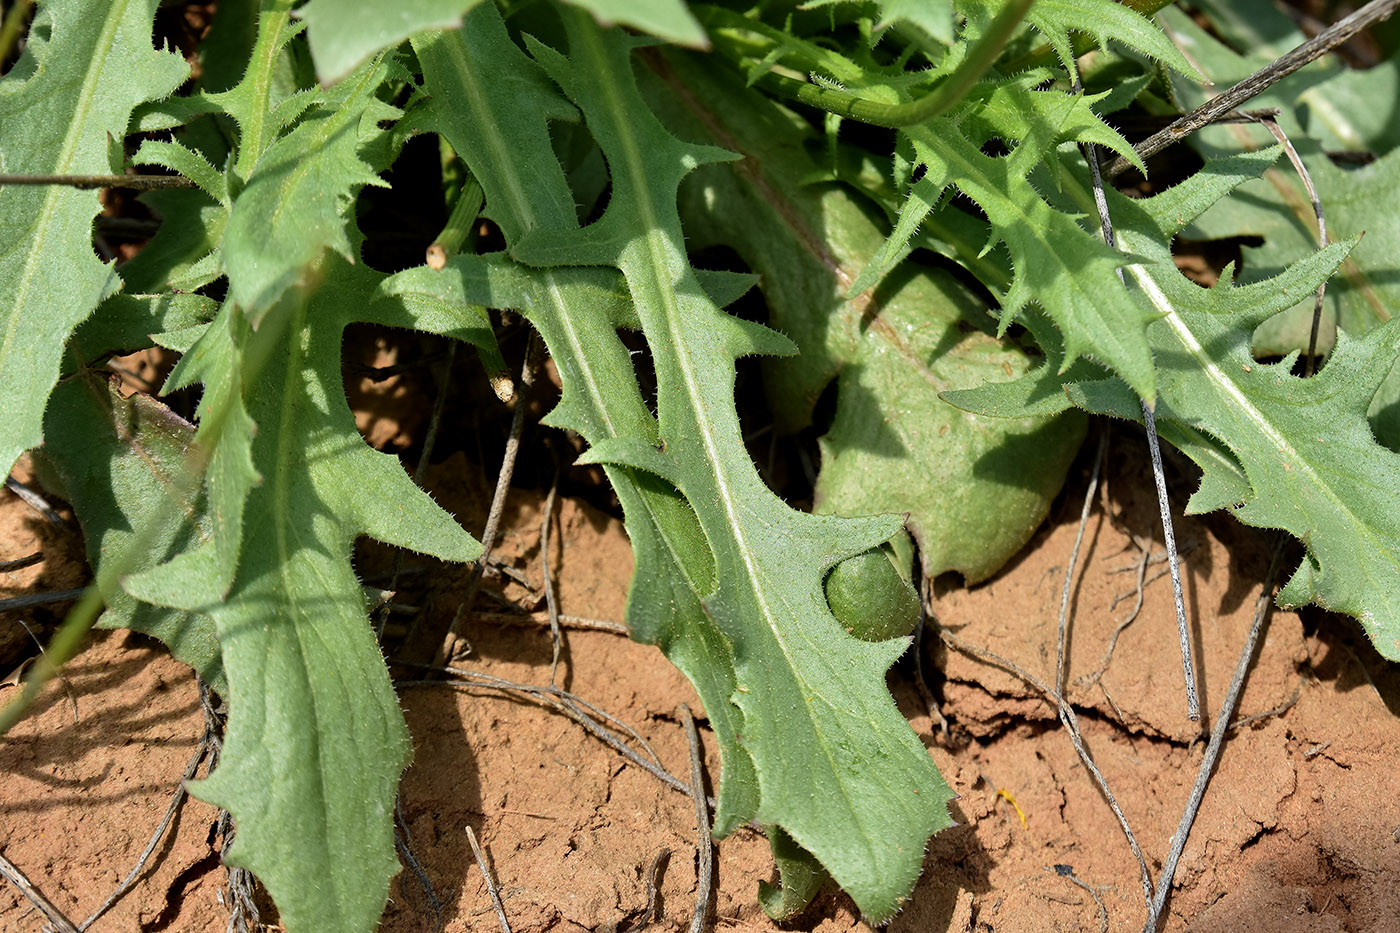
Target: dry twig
(498,501)
(10,871)
(490,882)
(704,845)
(1217,740)
(1309,51)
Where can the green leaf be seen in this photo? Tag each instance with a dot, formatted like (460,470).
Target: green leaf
(1104,20)
(666,19)
(83,70)
(1313,466)
(184,255)
(486,99)
(800,878)
(201,575)
(1275,207)
(121,463)
(816,715)
(1341,112)
(871,597)
(341,42)
(976,488)
(1069,271)
(578,312)
(934,17)
(894,348)
(313,792)
(125,323)
(298,201)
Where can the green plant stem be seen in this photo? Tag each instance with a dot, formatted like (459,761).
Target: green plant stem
(61,650)
(1045,55)
(12,27)
(933,104)
(462,218)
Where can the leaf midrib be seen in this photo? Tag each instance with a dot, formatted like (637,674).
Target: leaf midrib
(656,254)
(38,255)
(1236,396)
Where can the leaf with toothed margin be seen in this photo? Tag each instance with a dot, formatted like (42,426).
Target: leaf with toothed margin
(84,69)
(1313,467)
(890,351)
(1057,263)
(816,715)
(578,312)
(299,200)
(1104,20)
(313,791)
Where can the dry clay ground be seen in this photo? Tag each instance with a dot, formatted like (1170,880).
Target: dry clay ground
(1300,829)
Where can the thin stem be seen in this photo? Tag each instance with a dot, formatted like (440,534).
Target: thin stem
(465,210)
(1310,361)
(556,636)
(498,503)
(11,873)
(1154,449)
(134,182)
(1063,628)
(1319,45)
(1217,739)
(491,888)
(704,845)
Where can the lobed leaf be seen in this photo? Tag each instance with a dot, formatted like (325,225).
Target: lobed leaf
(313,792)
(578,312)
(297,202)
(894,349)
(815,710)
(1312,464)
(83,70)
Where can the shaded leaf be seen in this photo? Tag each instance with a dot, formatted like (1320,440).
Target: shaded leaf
(122,464)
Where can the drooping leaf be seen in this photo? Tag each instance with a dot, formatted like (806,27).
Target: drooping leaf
(339,43)
(82,72)
(815,715)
